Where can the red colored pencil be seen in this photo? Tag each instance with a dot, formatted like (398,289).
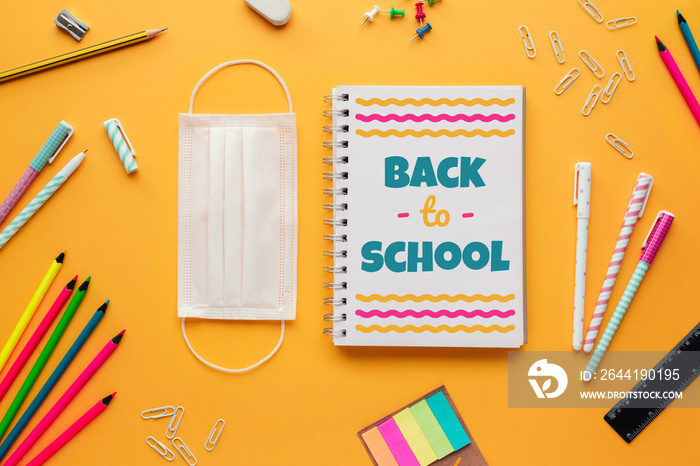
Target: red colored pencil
(36,337)
(63,402)
(62,439)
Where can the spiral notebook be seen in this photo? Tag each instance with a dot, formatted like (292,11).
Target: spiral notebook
(427,216)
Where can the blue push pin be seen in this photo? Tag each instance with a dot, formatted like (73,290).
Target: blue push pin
(421,32)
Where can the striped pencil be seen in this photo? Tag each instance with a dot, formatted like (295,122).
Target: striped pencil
(635,209)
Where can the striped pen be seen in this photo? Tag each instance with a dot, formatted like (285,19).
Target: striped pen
(635,209)
(650,247)
(43,196)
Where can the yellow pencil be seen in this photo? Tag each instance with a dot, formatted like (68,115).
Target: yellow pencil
(31,308)
(79,54)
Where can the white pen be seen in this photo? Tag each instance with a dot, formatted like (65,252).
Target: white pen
(582,201)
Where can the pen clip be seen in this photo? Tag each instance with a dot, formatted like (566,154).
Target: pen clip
(658,216)
(63,142)
(646,198)
(123,133)
(576,175)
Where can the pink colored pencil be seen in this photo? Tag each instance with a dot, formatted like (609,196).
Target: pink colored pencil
(679,79)
(35,339)
(635,209)
(63,402)
(62,439)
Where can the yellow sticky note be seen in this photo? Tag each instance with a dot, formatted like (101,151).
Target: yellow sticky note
(415,437)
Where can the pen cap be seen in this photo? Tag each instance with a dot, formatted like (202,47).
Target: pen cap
(121,144)
(657,234)
(52,146)
(582,189)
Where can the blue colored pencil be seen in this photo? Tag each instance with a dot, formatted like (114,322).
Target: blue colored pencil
(53,380)
(689,39)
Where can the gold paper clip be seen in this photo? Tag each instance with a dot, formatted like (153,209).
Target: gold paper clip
(567,81)
(557,47)
(157,413)
(175,422)
(625,65)
(161,449)
(592,65)
(591,10)
(592,99)
(184,451)
(610,88)
(530,49)
(621,23)
(214,435)
(619,145)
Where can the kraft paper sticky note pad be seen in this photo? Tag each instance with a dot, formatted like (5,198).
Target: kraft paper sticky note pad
(427,432)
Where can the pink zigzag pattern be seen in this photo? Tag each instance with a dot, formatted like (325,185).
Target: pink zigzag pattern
(435,314)
(434,118)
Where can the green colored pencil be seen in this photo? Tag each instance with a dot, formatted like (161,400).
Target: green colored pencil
(43,357)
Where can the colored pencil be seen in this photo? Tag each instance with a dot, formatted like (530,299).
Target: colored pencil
(52,381)
(36,337)
(680,81)
(79,54)
(689,39)
(43,357)
(31,308)
(62,439)
(64,401)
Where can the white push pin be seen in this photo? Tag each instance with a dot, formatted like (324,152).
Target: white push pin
(370,15)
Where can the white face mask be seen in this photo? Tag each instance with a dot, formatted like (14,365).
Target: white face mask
(237,216)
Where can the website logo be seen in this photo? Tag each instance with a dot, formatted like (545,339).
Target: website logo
(542,370)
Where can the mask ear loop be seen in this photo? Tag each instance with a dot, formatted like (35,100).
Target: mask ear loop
(241,62)
(224,369)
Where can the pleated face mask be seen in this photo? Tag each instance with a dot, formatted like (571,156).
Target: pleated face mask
(237,215)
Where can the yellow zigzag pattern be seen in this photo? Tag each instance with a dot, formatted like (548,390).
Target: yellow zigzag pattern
(434,102)
(435,134)
(435,299)
(434,329)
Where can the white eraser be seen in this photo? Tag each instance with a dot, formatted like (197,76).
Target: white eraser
(277,12)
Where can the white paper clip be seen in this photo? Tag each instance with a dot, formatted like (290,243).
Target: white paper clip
(620,146)
(592,65)
(121,144)
(591,10)
(161,449)
(157,413)
(621,23)
(530,49)
(174,422)
(557,47)
(625,65)
(214,435)
(567,81)
(592,99)
(610,88)
(184,451)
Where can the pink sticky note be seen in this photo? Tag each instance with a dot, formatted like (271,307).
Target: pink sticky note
(397,443)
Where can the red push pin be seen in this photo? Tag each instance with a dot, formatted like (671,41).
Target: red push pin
(419,13)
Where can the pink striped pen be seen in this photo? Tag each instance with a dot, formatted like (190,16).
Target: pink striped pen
(679,79)
(62,439)
(635,209)
(35,339)
(63,402)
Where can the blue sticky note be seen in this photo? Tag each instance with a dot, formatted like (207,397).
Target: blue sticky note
(447,419)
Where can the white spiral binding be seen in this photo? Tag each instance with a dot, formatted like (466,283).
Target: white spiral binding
(337,238)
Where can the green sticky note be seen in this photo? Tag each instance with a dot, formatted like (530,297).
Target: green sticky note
(447,418)
(415,437)
(431,429)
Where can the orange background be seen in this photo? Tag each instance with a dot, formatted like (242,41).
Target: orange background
(306,404)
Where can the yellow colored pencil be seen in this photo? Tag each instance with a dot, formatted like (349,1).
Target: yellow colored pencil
(31,308)
(79,54)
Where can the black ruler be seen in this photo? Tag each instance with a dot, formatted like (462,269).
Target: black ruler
(672,374)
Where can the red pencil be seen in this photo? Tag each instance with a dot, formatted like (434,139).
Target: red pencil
(36,337)
(62,439)
(65,399)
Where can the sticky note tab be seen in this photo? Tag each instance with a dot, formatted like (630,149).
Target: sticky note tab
(415,437)
(397,443)
(378,447)
(447,419)
(431,429)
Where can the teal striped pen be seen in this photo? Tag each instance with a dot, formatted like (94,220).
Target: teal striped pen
(43,196)
(649,248)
